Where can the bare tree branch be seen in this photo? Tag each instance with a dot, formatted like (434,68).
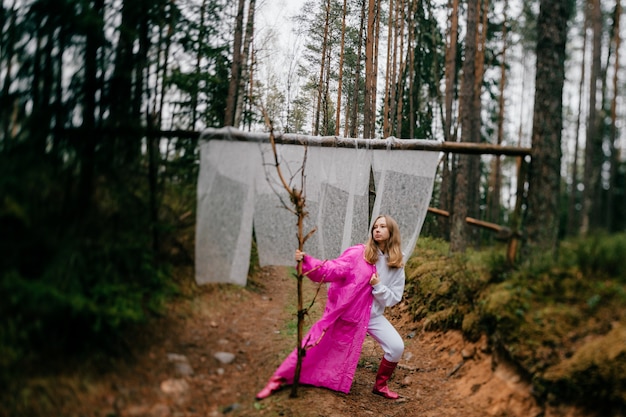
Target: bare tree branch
(298,201)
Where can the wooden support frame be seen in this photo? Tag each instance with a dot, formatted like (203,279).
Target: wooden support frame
(512,236)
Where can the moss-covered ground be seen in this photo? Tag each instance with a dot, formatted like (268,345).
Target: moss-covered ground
(561,320)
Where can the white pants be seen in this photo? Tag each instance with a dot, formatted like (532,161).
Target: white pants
(387,336)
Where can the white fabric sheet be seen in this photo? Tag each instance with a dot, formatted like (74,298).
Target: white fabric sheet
(275,226)
(224,211)
(345,206)
(404,182)
(239,190)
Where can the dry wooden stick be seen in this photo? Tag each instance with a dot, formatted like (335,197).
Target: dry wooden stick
(299,208)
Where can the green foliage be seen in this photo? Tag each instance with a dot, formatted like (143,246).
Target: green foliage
(599,256)
(72,282)
(428,56)
(561,321)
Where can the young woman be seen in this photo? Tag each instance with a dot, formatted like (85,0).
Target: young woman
(364,280)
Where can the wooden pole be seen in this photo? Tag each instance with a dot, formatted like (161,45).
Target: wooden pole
(503,232)
(230,133)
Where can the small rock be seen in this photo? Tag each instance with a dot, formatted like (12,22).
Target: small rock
(183,369)
(408,356)
(181,363)
(174,386)
(468,352)
(407,381)
(175,357)
(232,407)
(224,357)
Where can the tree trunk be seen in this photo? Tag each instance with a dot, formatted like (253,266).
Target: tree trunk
(458,230)
(418,69)
(357,78)
(573,218)
(474,174)
(243,80)
(251,88)
(368,105)
(326,124)
(165,66)
(613,136)
(320,85)
(545,170)
(195,93)
(450,67)
(388,73)
(445,195)
(593,147)
(141,68)
(495,183)
(374,80)
(123,84)
(235,68)
(341,57)
(90,92)
(411,71)
(399,69)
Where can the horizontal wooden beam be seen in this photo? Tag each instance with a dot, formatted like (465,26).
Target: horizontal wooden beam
(229,133)
(503,232)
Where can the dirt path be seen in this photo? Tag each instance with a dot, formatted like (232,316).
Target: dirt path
(179,376)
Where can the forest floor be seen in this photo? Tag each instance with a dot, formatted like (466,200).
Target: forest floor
(174,371)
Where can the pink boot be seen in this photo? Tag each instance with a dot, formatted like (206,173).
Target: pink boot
(384,373)
(272,386)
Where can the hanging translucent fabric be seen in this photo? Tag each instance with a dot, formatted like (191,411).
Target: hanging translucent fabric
(225,196)
(404,182)
(336,191)
(343,216)
(240,193)
(275,225)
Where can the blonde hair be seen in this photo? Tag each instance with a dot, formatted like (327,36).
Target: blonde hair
(393,247)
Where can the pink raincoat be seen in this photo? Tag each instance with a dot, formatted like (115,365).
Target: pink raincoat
(333,345)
